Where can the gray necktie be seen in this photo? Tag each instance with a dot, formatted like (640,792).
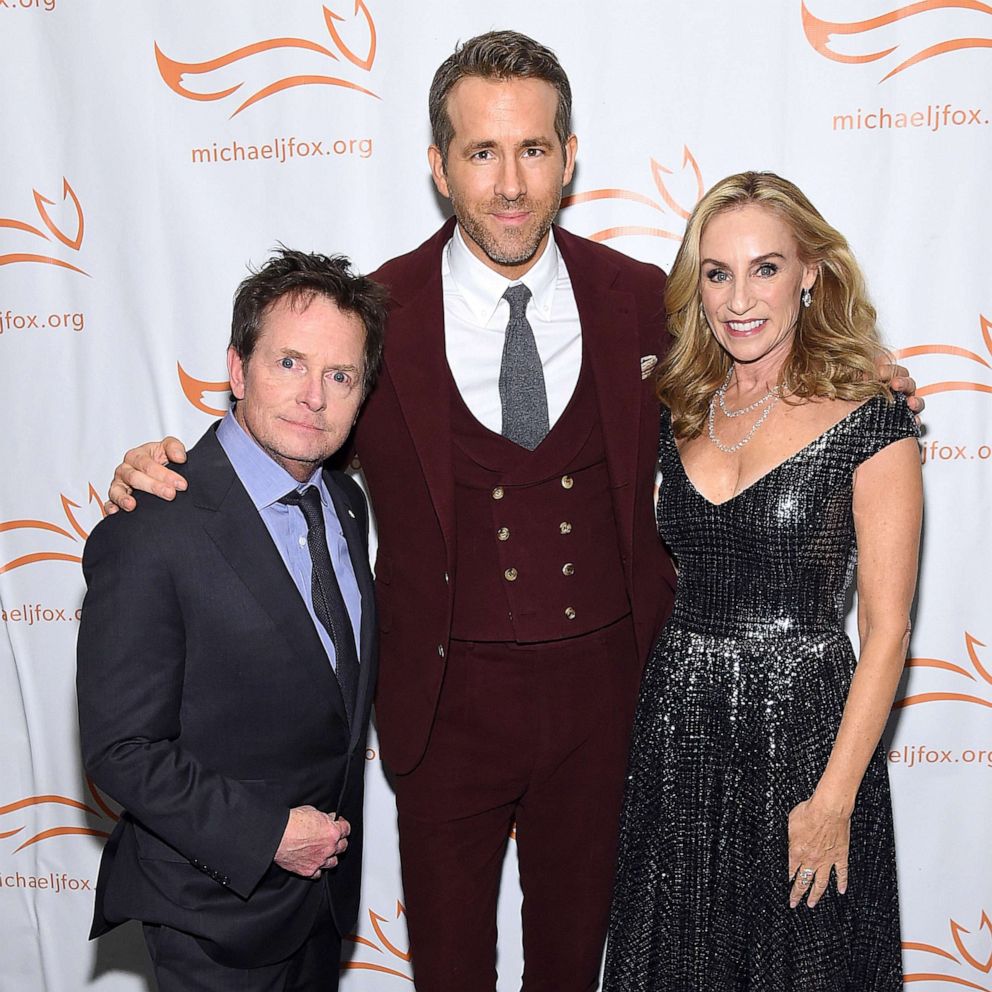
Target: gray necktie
(521,377)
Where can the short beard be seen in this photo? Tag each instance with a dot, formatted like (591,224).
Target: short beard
(493,250)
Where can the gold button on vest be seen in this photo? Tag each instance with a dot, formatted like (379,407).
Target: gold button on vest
(511,575)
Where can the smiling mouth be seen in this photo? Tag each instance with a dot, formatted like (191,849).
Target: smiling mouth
(742,328)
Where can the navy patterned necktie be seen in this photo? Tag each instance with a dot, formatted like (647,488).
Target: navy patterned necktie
(522,392)
(328,603)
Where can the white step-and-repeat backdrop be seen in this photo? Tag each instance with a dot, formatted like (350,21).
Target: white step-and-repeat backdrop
(150,150)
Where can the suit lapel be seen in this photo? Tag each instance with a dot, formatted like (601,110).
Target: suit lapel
(418,367)
(358,552)
(234,525)
(611,339)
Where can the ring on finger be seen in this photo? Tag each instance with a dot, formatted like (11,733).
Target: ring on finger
(806,875)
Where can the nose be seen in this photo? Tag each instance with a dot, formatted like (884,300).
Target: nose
(510,181)
(741,297)
(311,393)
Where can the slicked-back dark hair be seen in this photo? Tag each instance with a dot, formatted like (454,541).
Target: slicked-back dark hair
(497,55)
(301,276)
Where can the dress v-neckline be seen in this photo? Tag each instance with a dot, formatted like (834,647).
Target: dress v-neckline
(775,468)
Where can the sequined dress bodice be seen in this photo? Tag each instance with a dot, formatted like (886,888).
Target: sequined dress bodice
(740,704)
(777,557)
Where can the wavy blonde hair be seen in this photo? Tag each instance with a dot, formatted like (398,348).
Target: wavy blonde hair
(836,347)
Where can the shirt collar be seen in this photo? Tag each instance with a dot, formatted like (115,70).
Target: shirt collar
(482,288)
(264,479)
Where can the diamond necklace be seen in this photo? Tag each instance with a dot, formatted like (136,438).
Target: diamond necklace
(773,394)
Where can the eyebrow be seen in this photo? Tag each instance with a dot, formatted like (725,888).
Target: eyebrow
(754,261)
(482,144)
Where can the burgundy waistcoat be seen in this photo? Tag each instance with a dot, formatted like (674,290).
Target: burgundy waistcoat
(537,554)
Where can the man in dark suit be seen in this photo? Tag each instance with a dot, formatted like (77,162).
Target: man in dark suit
(227,659)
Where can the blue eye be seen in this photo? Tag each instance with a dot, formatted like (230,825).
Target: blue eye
(286,363)
(716,275)
(341,377)
(767,269)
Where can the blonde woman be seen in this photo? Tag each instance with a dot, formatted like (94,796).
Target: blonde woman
(757,848)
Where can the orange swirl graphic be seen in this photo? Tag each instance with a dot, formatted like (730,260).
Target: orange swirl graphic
(74,241)
(966,958)
(194,389)
(68,508)
(972,644)
(820,32)
(174,72)
(658,174)
(62,832)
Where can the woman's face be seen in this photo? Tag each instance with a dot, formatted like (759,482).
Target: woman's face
(750,281)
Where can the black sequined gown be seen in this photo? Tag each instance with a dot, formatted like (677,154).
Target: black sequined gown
(739,708)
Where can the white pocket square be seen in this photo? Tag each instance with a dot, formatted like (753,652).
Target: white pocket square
(648,362)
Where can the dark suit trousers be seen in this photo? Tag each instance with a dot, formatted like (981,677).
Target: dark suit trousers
(181,964)
(535,735)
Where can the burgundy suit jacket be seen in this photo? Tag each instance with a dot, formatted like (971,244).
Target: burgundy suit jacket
(404,441)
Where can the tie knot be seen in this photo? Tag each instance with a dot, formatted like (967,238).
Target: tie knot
(307,499)
(518,297)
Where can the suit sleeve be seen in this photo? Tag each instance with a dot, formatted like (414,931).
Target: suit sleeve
(130,671)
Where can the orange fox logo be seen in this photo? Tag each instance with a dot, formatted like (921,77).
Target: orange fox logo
(821,33)
(103,811)
(76,533)
(398,958)
(174,72)
(658,173)
(972,953)
(954,351)
(972,643)
(72,242)
(196,389)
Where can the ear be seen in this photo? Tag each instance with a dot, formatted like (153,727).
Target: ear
(436,160)
(571,149)
(236,373)
(810,274)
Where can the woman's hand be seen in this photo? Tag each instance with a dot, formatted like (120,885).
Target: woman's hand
(819,839)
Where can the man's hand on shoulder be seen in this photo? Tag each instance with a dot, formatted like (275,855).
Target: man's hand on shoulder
(144,469)
(901,381)
(311,842)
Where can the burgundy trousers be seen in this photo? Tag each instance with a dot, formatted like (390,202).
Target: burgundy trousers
(534,735)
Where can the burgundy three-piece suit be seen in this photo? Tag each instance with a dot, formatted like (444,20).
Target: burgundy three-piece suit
(518,595)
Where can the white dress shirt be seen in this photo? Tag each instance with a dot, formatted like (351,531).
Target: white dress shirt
(475,319)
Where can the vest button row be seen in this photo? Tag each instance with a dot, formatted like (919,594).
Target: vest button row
(565,527)
(511,575)
(503,534)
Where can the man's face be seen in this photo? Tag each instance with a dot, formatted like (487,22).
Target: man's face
(300,391)
(505,168)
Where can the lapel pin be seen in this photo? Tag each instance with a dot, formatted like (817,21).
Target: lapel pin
(351,514)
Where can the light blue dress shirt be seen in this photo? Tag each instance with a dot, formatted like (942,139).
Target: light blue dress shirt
(266,483)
